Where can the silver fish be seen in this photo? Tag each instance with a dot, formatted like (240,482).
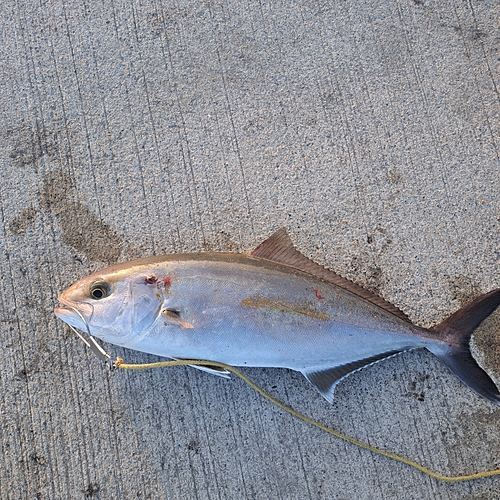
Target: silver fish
(271,308)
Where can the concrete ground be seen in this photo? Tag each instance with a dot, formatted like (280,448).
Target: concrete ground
(371,130)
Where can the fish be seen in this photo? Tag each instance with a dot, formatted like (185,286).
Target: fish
(273,307)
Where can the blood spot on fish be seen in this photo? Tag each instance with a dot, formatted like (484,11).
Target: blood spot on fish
(151,280)
(318,296)
(167,282)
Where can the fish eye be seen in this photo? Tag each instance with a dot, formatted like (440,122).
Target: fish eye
(99,290)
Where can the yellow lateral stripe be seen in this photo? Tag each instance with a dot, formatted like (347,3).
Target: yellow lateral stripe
(282,306)
(468,477)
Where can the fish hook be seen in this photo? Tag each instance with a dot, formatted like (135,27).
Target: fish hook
(92,342)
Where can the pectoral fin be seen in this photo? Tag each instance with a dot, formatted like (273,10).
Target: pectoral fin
(173,317)
(214,370)
(325,379)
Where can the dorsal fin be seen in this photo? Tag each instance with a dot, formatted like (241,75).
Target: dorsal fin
(279,248)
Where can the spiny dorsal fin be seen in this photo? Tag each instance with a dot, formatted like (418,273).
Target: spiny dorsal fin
(279,248)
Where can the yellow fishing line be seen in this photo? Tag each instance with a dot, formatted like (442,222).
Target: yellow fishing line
(119,363)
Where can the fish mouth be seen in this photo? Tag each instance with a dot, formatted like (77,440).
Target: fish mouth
(76,315)
(74,318)
(70,316)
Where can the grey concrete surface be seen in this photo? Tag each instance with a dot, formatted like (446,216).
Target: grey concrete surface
(371,130)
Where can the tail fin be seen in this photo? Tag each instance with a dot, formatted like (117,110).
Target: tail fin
(457,331)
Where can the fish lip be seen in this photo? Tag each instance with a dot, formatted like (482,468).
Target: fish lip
(62,310)
(69,313)
(69,316)
(65,311)
(65,301)
(70,305)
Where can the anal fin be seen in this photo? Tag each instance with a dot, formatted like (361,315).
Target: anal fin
(325,379)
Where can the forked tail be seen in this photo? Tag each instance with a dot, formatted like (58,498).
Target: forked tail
(457,331)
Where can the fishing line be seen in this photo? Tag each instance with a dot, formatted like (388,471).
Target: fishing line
(91,343)
(119,363)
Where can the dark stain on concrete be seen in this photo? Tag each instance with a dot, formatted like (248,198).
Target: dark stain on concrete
(371,275)
(463,289)
(221,243)
(80,227)
(27,143)
(194,446)
(394,176)
(418,386)
(380,239)
(21,374)
(477,433)
(374,277)
(23,220)
(91,490)
(56,190)
(477,35)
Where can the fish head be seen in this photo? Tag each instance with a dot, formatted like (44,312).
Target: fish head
(112,305)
